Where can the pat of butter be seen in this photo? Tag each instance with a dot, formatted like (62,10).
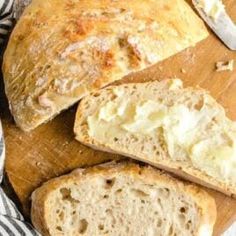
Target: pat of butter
(212,8)
(108,112)
(186,131)
(147,117)
(215,157)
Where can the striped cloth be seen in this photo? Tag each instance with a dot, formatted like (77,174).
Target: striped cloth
(5,17)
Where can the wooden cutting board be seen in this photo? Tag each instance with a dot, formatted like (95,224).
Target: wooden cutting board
(51,149)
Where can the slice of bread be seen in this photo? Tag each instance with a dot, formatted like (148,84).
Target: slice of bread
(61,50)
(182,130)
(122,199)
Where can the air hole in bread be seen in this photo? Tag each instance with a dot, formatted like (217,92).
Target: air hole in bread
(65,192)
(86,106)
(198,106)
(96,95)
(66,195)
(157,153)
(171,230)
(188,225)
(59,228)
(113,97)
(105,196)
(164,192)
(154,148)
(48,66)
(182,210)
(109,211)
(139,193)
(116,139)
(61,216)
(133,139)
(101,227)
(118,191)
(83,225)
(159,223)
(160,203)
(84,123)
(109,183)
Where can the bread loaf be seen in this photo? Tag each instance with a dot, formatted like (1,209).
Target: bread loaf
(122,199)
(182,130)
(61,50)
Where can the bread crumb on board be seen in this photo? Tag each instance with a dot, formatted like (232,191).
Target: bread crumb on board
(65,144)
(183,71)
(224,66)
(38,163)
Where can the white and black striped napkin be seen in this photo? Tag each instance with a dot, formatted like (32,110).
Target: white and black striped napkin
(5,17)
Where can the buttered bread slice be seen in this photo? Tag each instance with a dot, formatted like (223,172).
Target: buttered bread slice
(122,199)
(181,130)
(61,50)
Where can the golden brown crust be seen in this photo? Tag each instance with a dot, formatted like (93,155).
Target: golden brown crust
(203,200)
(53,60)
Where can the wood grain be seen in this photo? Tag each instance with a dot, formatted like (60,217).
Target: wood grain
(51,149)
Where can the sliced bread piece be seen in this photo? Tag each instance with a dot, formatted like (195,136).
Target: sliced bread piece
(61,50)
(182,130)
(122,199)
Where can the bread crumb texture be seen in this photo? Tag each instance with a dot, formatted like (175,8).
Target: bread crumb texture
(126,200)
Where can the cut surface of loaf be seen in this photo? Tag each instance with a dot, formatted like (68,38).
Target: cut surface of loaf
(53,60)
(122,199)
(182,130)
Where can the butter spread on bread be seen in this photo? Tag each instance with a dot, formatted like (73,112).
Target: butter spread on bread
(183,130)
(61,50)
(122,199)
